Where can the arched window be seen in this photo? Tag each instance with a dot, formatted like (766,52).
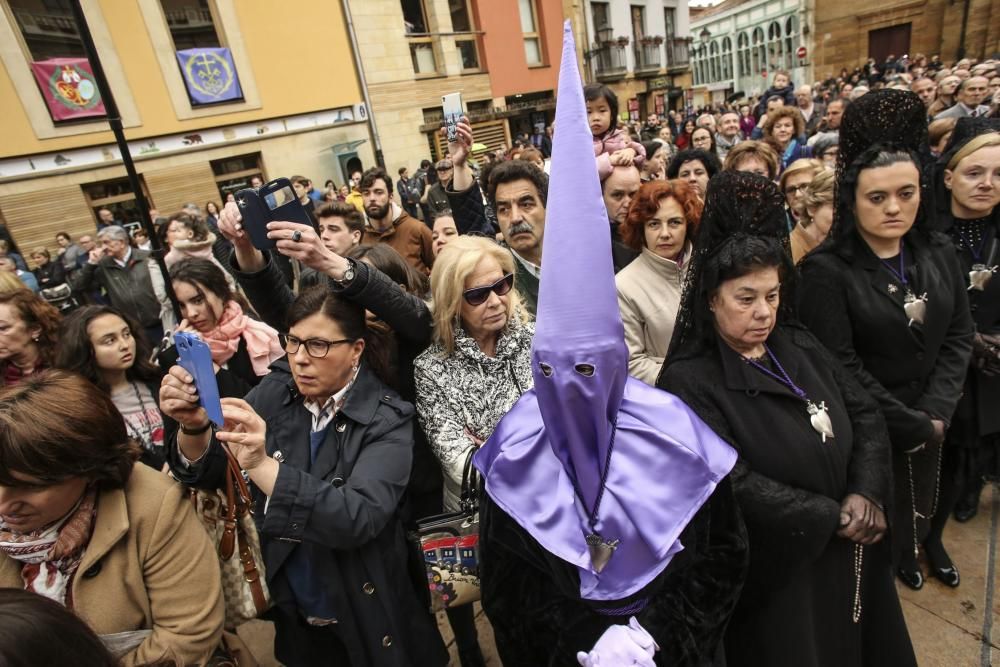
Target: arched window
(792,41)
(713,61)
(727,58)
(774,51)
(743,59)
(759,51)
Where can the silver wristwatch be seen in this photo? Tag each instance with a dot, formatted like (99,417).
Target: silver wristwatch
(348,274)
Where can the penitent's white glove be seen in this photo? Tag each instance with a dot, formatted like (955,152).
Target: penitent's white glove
(621,646)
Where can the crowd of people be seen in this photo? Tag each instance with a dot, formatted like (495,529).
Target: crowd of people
(804,284)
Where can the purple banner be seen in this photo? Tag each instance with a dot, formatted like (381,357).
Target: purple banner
(209,75)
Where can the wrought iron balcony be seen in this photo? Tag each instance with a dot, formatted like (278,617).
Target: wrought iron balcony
(647,58)
(677,53)
(610,62)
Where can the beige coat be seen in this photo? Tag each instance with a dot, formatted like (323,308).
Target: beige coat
(649,294)
(149,566)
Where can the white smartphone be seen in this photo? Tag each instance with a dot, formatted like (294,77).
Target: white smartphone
(451,108)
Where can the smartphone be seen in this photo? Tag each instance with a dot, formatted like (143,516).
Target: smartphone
(195,357)
(275,200)
(451,108)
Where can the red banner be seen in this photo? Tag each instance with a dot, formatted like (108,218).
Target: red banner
(68,87)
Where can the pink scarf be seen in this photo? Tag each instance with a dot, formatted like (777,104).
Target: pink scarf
(262,341)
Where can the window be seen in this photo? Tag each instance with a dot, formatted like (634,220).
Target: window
(638,13)
(422,55)
(191,24)
(743,59)
(461,22)
(713,61)
(670,23)
(791,41)
(529,26)
(727,58)
(759,51)
(116,196)
(414,16)
(602,21)
(48,28)
(234,173)
(774,51)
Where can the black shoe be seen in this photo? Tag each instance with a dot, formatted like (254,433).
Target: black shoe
(912,578)
(472,657)
(966,508)
(947,575)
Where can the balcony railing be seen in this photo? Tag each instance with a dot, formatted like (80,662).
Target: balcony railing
(46,24)
(647,58)
(610,62)
(677,53)
(188,17)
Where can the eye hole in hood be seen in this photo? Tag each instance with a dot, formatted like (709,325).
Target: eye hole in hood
(546,369)
(586,370)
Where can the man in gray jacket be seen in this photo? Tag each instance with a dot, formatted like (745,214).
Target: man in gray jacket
(124,274)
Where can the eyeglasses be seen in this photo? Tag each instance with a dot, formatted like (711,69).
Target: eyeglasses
(478,295)
(795,189)
(315,347)
(444,168)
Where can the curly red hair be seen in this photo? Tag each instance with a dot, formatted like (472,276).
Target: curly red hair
(647,202)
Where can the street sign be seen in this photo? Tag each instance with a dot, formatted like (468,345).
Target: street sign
(801,52)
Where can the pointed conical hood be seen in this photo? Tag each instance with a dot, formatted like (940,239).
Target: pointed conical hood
(580,361)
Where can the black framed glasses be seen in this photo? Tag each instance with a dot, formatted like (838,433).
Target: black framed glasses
(478,295)
(315,347)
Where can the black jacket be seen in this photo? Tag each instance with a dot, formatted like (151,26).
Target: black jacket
(407,316)
(342,511)
(852,303)
(50,275)
(129,288)
(469,211)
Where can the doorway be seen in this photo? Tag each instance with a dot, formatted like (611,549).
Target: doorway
(894,40)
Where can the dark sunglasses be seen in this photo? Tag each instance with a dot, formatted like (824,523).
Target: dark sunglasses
(478,295)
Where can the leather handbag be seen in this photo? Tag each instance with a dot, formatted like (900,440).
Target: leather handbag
(228,518)
(449,544)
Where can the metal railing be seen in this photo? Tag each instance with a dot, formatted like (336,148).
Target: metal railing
(188,16)
(677,52)
(610,61)
(647,57)
(46,24)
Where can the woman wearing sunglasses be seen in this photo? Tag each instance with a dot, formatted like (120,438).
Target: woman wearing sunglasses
(474,371)
(328,447)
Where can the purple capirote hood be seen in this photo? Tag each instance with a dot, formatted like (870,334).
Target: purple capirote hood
(548,459)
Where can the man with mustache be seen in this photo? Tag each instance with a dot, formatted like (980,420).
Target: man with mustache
(388,223)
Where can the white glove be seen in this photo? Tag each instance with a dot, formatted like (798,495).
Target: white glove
(621,646)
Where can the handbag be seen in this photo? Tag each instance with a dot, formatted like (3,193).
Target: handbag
(228,518)
(449,544)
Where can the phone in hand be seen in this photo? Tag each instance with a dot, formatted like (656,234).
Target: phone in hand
(194,356)
(275,200)
(451,108)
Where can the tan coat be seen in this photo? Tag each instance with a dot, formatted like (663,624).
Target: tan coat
(407,236)
(149,566)
(649,294)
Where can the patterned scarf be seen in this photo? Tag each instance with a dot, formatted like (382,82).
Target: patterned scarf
(51,554)
(262,341)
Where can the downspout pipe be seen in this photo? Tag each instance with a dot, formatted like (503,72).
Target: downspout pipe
(372,129)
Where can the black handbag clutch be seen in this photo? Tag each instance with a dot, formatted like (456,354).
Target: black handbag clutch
(449,544)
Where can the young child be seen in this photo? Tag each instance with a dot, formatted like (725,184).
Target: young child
(612,145)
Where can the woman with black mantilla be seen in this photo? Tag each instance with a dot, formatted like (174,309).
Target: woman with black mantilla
(813,469)
(967,198)
(887,297)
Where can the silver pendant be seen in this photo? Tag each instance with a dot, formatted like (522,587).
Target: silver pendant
(601,550)
(820,419)
(979,276)
(915,307)
(892,289)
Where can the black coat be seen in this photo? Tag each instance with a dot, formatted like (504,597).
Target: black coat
(532,598)
(341,510)
(50,275)
(853,304)
(790,485)
(408,317)
(978,408)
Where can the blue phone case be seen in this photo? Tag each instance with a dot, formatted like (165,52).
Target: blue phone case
(195,357)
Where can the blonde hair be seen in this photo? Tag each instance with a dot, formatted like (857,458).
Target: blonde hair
(752,149)
(797,167)
(9,282)
(938,128)
(973,145)
(457,261)
(818,193)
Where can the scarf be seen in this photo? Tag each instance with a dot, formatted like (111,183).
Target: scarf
(51,555)
(262,341)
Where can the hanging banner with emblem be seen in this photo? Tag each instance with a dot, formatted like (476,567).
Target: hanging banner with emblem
(209,75)
(68,87)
